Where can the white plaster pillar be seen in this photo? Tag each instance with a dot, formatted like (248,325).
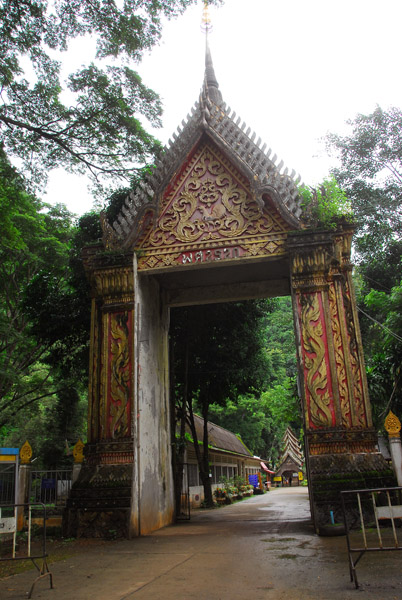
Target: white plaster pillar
(153,485)
(24,471)
(22,496)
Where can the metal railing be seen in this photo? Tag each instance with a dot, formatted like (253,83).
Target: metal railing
(369,517)
(50,487)
(10,514)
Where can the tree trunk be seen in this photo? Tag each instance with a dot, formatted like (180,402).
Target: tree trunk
(205,447)
(202,457)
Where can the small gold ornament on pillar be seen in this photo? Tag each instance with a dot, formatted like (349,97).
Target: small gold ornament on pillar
(78,452)
(392,425)
(26,453)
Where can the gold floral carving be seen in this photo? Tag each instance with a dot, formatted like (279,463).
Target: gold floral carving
(209,205)
(26,453)
(314,361)
(315,261)
(93,375)
(120,375)
(354,359)
(103,375)
(392,425)
(78,452)
(339,358)
(263,248)
(114,284)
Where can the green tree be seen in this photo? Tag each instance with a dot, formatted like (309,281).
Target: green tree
(44,320)
(34,242)
(59,310)
(370,172)
(326,205)
(52,426)
(260,419)
(280,341)
(385,351)
(99,128)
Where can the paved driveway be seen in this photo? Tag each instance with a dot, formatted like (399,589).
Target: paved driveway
(263,548)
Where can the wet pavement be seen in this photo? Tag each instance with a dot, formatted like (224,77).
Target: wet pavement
(263,548)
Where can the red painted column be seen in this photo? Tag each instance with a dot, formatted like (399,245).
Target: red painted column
(111,381)
(331,364)
(340,441)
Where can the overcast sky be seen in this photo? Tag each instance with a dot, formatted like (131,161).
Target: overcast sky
(292,70)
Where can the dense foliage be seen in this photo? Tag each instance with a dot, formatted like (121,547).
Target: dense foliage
(39,334)
(217,352)
(234,364)
(260,419)
(326,205)
(370,172)
(93,122)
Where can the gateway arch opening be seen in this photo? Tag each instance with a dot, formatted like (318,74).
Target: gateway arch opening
(233,392)
(217,220)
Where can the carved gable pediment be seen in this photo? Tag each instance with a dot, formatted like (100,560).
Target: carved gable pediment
(208,213)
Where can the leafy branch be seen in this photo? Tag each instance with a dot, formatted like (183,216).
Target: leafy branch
(326,205)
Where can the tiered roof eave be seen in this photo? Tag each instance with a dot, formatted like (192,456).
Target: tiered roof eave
(219,122)
(291,448)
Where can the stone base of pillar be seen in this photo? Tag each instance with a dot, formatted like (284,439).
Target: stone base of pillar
(329,474)
(100,502)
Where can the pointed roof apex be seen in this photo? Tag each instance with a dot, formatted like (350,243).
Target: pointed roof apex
(211,85)
(210,115)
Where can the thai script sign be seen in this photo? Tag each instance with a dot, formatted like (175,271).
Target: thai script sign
(213,254)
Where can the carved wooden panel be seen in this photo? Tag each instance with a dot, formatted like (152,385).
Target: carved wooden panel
(340,363)
(94,364)
(316,363)
(116,375)
(354,357)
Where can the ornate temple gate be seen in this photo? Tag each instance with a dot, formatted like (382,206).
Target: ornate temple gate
(217,221)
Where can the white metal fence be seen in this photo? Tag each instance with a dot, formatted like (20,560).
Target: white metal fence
(373,520)
(50,487)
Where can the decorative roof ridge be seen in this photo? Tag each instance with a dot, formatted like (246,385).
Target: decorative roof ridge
(233,135)
(289,433)
(296,459)
(262,165)
(145,197)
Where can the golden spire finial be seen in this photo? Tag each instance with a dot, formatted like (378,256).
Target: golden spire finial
(206,25)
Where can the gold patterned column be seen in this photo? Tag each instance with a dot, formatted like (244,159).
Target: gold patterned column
(111,384)
(331,366)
